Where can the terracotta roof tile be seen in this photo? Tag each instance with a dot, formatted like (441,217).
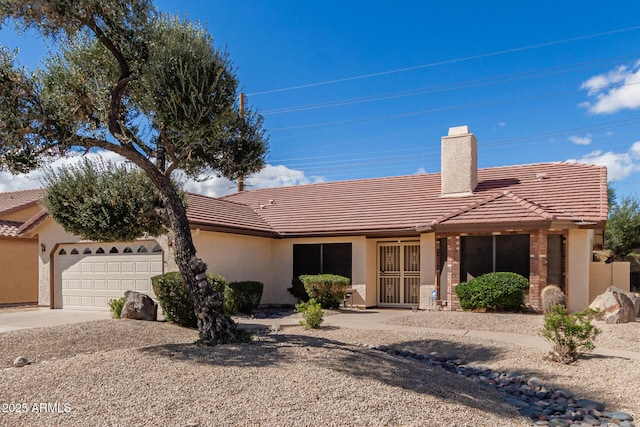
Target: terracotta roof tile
(9,228)
(215,213)
(19,199)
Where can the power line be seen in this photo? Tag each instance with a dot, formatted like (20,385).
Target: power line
(446,62)
(507,78)
(453,107)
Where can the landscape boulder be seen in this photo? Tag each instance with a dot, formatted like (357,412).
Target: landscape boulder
(139,307)
(615,306)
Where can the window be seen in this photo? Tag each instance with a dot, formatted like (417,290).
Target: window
(322,258)
(113,250)
(86,251)
(74,251)
(486,254)
(555,260)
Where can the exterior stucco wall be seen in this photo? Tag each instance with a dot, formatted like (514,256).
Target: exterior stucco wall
(603,275)
(579,255)
(238,258)
(427,270)
(282,267)
(19,270)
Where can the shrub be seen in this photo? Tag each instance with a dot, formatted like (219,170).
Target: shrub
(312,313)
(115,307)
(496,291)
(551,296)
(570,335)
(242,297)
(297,290)
(175,299)
(327,289)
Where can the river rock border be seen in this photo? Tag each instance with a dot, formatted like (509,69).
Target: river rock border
(545,406)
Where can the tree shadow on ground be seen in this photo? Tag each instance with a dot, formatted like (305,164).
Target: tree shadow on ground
(353,361)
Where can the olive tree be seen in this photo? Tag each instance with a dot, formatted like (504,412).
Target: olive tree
(147,86)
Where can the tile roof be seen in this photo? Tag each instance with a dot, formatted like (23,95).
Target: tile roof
(9,228)
(515,194)
(15,200)
(214,214)
(540,194)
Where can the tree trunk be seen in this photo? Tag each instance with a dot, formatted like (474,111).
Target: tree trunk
(214,326)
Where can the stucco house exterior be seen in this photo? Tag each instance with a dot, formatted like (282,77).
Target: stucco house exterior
(404,241)
(18,256)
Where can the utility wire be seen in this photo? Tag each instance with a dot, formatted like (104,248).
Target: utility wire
(453,107)
(449,61)
(507,78)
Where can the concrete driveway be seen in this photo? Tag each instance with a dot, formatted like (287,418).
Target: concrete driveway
(34,317)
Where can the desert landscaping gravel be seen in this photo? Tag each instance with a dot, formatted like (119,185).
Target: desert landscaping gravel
(124,373)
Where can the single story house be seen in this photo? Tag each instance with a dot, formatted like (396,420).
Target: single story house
(404,241)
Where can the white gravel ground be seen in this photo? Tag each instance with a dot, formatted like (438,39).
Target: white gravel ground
(123,373)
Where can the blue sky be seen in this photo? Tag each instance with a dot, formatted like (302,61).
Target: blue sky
(353,90)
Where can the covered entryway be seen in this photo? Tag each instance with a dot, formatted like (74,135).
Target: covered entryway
(88,275)
(398,274)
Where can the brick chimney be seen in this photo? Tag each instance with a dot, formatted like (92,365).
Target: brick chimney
(459,162)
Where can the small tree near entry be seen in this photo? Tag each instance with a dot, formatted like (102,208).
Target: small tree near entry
(622,233)
(147,86)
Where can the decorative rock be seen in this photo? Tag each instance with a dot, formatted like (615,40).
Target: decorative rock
(622,416)
(543,405)
(139,307)
(615,306)
(590,404)
(517,402)
(21,361)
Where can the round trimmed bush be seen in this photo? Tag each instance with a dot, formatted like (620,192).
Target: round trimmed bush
(175,299)
(500,291)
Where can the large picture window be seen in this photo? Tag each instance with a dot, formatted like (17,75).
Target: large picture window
(487,254)
(322,258)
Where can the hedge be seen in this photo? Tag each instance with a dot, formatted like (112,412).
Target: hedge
(327,289)
(501,291)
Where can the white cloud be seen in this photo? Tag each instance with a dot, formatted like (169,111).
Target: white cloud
(619,165)
(581,140)
(502,124)
(270,176)
(613,91)
(33,179)
(420,171)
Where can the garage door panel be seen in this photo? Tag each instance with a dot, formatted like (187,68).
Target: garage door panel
(127,267)
(88,280)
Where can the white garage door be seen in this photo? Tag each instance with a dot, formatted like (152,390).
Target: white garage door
(88,275)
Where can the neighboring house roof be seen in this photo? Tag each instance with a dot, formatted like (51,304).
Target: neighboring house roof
(9,228)
(15,200)
(520,195)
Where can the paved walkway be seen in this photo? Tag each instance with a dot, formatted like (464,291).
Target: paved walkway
(33,317)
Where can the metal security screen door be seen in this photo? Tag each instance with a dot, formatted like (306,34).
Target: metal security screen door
(398,274)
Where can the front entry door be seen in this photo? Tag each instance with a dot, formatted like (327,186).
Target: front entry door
(399,274)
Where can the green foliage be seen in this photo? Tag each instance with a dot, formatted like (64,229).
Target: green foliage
(175,299)
(242,297)
(570,335)
(622,233)
(312,313)
(297,290)
(104,201)
(115,307)
(496,291)
(327,289)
